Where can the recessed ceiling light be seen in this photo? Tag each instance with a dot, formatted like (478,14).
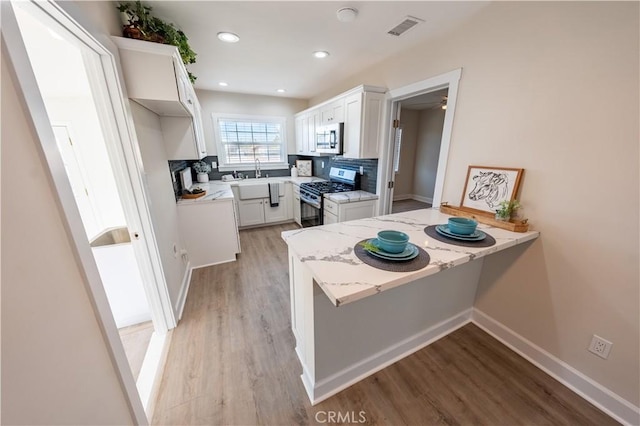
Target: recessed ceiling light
(223,84)
(347,14)
(228,37)
(280,90)
(320,54)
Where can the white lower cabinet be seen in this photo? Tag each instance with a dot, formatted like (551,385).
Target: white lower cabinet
(251,212)
(209,231)
(334,212)
(259,211)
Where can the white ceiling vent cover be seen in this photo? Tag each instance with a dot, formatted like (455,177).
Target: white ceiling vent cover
(404,26)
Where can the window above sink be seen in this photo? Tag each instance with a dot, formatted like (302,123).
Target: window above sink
(243,139)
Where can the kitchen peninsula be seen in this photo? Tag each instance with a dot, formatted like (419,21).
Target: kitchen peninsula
(351,319)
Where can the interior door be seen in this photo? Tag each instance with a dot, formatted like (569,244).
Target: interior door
(79,184)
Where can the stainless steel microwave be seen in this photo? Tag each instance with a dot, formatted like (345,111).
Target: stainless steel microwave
(329,138)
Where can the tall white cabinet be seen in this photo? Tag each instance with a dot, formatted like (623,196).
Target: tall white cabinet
(157,79)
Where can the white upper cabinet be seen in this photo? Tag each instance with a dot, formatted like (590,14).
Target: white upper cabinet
(157,79)
(360,109)
(332,113)
(362,122)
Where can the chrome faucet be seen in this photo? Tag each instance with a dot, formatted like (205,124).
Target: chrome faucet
(258,174)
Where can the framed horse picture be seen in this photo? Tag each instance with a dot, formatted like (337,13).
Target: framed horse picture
(487,187)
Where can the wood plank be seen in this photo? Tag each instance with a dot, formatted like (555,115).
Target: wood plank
(487,219)
(232,361)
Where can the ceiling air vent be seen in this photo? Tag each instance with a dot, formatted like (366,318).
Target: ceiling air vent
(404,26)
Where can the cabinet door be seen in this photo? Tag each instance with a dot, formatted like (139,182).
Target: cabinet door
(338,112)
(314,120)
(287,200)
(329,218)
(274,214)
(370,127)
(186,93)
(201,145)
(297,217)
(251,212)
(326,115)
(305,134)
(357,210)
(352,121)
(300,130)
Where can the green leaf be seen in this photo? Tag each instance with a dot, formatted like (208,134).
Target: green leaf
(367,245)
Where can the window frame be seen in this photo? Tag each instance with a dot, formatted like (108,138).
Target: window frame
(223,163)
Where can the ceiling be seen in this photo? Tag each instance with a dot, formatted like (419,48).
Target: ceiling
(277,40)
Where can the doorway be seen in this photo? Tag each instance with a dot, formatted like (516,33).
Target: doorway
(417,148)
(431,94)
(71,89)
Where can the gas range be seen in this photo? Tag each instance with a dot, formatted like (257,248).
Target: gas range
(312,192)
(342,180)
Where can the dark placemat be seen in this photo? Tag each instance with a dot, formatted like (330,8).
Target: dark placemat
(414,264)
(487,242)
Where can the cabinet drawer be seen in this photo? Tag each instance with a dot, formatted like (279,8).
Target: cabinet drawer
(330,206)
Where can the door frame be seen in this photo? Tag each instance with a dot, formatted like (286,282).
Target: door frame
(448,80)
(127,166)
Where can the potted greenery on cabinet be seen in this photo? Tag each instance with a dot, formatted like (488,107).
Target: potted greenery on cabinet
(138,23)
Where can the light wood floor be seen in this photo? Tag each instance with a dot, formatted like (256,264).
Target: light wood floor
(232,362)
(408,205)
(135,340)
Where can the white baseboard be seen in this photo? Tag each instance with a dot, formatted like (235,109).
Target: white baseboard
(184,289)
(606,400)
(356,372)
(402,197)
(150,376)
(412,197)
(423,199)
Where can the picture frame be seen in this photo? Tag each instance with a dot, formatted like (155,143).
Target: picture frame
(304,167)
(486,187)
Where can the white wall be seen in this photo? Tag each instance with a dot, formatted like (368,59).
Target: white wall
(428,142)
(164,212)
(551,87)
(403,185)
(239,103)
(56,367)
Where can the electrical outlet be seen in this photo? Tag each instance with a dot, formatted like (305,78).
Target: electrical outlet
(600,346)
(361,170)
(322,162)
(214,165)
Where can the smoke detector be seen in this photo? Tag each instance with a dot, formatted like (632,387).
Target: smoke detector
(404,26)
(347,14)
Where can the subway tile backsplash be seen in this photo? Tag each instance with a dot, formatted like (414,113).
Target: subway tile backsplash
(367,180)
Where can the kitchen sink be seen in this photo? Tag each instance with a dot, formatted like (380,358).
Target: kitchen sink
(250,190)
(257,188)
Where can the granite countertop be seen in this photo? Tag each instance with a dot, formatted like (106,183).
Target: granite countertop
(350,196)
(216,191)
(328,252)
